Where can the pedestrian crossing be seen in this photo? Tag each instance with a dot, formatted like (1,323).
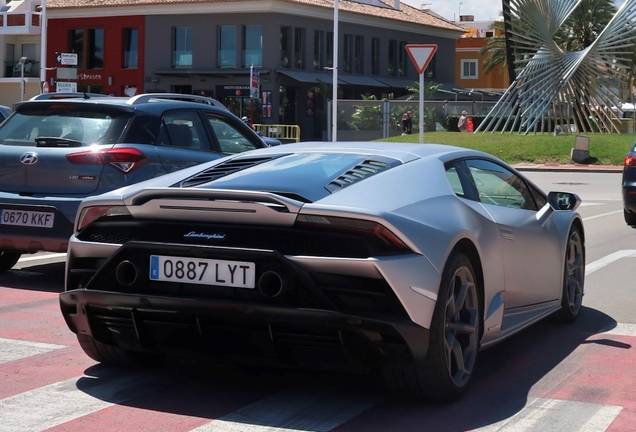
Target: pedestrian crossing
(48,384)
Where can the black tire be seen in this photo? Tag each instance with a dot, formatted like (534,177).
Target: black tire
(442,378)
(630,218)
(573,277)
(8,259)
(116,356)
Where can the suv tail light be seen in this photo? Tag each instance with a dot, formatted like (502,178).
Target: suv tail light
(630,161)
(358,226)
(124,159)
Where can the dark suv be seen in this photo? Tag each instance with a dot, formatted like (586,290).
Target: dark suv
(59,149)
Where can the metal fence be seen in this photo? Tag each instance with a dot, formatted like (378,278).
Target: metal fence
(363,120)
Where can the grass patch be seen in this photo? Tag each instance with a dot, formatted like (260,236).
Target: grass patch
(605,149)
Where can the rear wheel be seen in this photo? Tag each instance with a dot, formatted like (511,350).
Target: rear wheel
(454,338)
(573,277)
(630,218)
(116,356)
(8,259)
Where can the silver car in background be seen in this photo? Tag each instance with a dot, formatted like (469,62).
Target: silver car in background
(399,258)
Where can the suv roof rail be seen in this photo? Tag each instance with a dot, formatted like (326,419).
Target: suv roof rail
(147,97)
(55,95)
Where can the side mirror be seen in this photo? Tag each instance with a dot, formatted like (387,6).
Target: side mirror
(564,201)
(558,201)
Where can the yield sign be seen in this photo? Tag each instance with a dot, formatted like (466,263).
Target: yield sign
(421,55)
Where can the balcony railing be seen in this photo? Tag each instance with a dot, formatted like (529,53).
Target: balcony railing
(13,70)
(19,22)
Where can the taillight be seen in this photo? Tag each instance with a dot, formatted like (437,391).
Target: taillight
(124,159)
(630,161)
(364,227)
(90,214)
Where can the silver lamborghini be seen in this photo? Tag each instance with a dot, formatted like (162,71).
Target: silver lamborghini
(397,258)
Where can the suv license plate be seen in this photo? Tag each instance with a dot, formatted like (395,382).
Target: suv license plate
(26,218)
(202,271)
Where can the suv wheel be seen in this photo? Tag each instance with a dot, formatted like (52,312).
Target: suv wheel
(8,259)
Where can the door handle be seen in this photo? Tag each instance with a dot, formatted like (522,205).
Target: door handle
(507,234)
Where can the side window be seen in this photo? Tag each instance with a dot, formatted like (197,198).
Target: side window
(497,185)
(455,182)
(183,129)
(230,139)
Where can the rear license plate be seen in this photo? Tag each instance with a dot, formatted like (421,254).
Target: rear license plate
(26,218)
(202,271)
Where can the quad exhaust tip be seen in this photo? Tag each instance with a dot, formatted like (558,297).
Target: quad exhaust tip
(126,273)
(272,284)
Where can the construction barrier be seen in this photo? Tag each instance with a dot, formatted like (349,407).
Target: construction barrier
(285,133)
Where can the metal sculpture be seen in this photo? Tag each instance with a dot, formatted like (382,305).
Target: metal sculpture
(553,86)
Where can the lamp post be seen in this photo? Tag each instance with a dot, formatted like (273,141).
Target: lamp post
(43,47)
(460,10)
(334,95)
(21,63)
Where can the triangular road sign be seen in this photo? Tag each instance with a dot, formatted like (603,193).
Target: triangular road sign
(421,55)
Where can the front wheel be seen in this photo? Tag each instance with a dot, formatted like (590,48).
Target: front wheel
(573,277)
(8,259)
(454,338)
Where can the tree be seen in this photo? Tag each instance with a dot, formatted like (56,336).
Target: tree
(496,49)
(584,24)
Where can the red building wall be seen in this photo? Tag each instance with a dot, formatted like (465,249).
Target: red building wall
(57,41)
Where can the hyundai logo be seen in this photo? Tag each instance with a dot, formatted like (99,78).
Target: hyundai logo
(29,158)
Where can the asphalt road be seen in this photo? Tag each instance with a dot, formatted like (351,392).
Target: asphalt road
(551,377)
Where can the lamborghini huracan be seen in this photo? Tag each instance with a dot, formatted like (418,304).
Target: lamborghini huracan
(401,259)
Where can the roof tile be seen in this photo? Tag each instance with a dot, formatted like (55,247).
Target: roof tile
(406,13)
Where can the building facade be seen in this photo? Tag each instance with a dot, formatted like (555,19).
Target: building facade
(20,37)
(469,63)
(186,46)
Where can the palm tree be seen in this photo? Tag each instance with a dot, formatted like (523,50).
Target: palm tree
(496,49)
(584,24)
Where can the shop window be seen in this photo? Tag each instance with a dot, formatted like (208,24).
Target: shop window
(95,48)
(393,58)
(299,48)
(347,55)
(358,55)
(375,56)
(319,36)
(330,50)
(285,46)
(182,47)
(402,59)
(75,44)
(252,46)
(227,46)
(131,46)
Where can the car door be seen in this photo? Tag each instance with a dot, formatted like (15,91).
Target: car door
(531,253)
(231,135)
(183,141)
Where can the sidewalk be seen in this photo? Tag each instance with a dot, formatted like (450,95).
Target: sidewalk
(569,168)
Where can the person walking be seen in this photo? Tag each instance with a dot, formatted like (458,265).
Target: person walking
(405,120)
(462,123)
(409,123)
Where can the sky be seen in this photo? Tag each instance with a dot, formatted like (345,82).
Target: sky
(482,10)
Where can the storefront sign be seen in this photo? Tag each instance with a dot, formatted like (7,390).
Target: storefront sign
(85,76)
(232,91)
(66,87)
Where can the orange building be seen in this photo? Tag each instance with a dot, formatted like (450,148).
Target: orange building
(469,63)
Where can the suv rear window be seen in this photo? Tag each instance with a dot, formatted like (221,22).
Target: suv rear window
(63,120)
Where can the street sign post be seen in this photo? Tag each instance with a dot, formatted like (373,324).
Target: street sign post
(68,59)
(421,55)
(254,85)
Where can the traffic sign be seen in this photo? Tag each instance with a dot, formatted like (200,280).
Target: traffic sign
(421,55)
(65,87)
(69,59)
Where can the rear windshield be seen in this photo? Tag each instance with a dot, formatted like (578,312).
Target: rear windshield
(87,125)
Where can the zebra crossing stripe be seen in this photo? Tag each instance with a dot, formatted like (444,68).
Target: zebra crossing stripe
(11,350)
(295,409)
(551,415)
(54,404)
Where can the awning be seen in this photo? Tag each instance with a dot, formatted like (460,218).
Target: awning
(215,72)
(310,77)
(362,81)
(397,82)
